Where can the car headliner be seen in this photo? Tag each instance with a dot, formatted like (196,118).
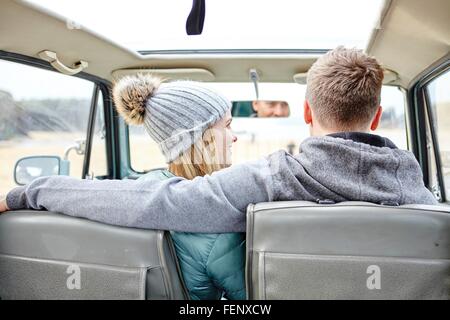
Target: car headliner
(412,36)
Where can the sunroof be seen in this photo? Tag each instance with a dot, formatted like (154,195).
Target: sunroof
(154,25)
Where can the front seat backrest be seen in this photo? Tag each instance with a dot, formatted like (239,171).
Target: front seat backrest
(44,255)
(350,250)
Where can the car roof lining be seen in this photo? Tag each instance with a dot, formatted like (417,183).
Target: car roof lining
(412,35)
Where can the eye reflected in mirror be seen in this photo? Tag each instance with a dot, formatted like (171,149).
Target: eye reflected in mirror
(261,109)
(29,168)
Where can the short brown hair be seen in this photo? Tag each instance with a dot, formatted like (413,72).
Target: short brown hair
(344,88)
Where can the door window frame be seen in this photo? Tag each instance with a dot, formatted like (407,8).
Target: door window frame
(100,85)
(422,120)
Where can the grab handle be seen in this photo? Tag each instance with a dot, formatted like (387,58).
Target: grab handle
(51,57)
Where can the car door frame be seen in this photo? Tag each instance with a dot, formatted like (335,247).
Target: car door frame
(421,124)
(99,85)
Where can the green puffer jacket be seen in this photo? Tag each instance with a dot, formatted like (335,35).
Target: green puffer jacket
(212,263)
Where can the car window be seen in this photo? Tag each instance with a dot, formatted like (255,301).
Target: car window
(98,165)
(433,181)
(41,113)
(248,23)
(439,99)
(144,152)
(258,137)
(393,120)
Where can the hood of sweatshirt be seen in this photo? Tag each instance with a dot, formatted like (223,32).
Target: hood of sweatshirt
(351,167)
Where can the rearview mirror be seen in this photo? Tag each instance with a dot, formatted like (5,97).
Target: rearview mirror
(29,168)
(260,109)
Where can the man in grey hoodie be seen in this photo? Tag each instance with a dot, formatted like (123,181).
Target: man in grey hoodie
(341,161)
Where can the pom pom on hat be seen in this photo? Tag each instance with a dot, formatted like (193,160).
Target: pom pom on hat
(130,95)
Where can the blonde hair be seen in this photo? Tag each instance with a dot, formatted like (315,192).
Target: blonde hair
(200,159)
(344,88)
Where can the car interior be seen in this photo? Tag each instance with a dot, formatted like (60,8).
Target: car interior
(295,249)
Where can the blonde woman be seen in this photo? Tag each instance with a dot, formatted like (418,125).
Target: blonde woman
(191,124)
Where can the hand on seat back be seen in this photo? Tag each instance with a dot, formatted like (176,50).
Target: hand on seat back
(3,205)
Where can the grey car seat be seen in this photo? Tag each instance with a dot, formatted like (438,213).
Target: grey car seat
(350,250)
(44,255)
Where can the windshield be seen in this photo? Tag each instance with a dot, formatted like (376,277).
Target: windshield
(258,137)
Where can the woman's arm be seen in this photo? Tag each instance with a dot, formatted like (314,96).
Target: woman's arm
(215,203)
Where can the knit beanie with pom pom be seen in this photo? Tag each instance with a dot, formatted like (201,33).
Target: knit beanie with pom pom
(175,114)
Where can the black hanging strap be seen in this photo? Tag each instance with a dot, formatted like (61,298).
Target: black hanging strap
(194,23)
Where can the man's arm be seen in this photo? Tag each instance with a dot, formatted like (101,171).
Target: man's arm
(215,203)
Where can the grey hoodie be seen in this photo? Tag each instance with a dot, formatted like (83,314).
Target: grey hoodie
(329,167)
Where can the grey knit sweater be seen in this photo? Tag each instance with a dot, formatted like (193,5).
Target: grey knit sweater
(329,167)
